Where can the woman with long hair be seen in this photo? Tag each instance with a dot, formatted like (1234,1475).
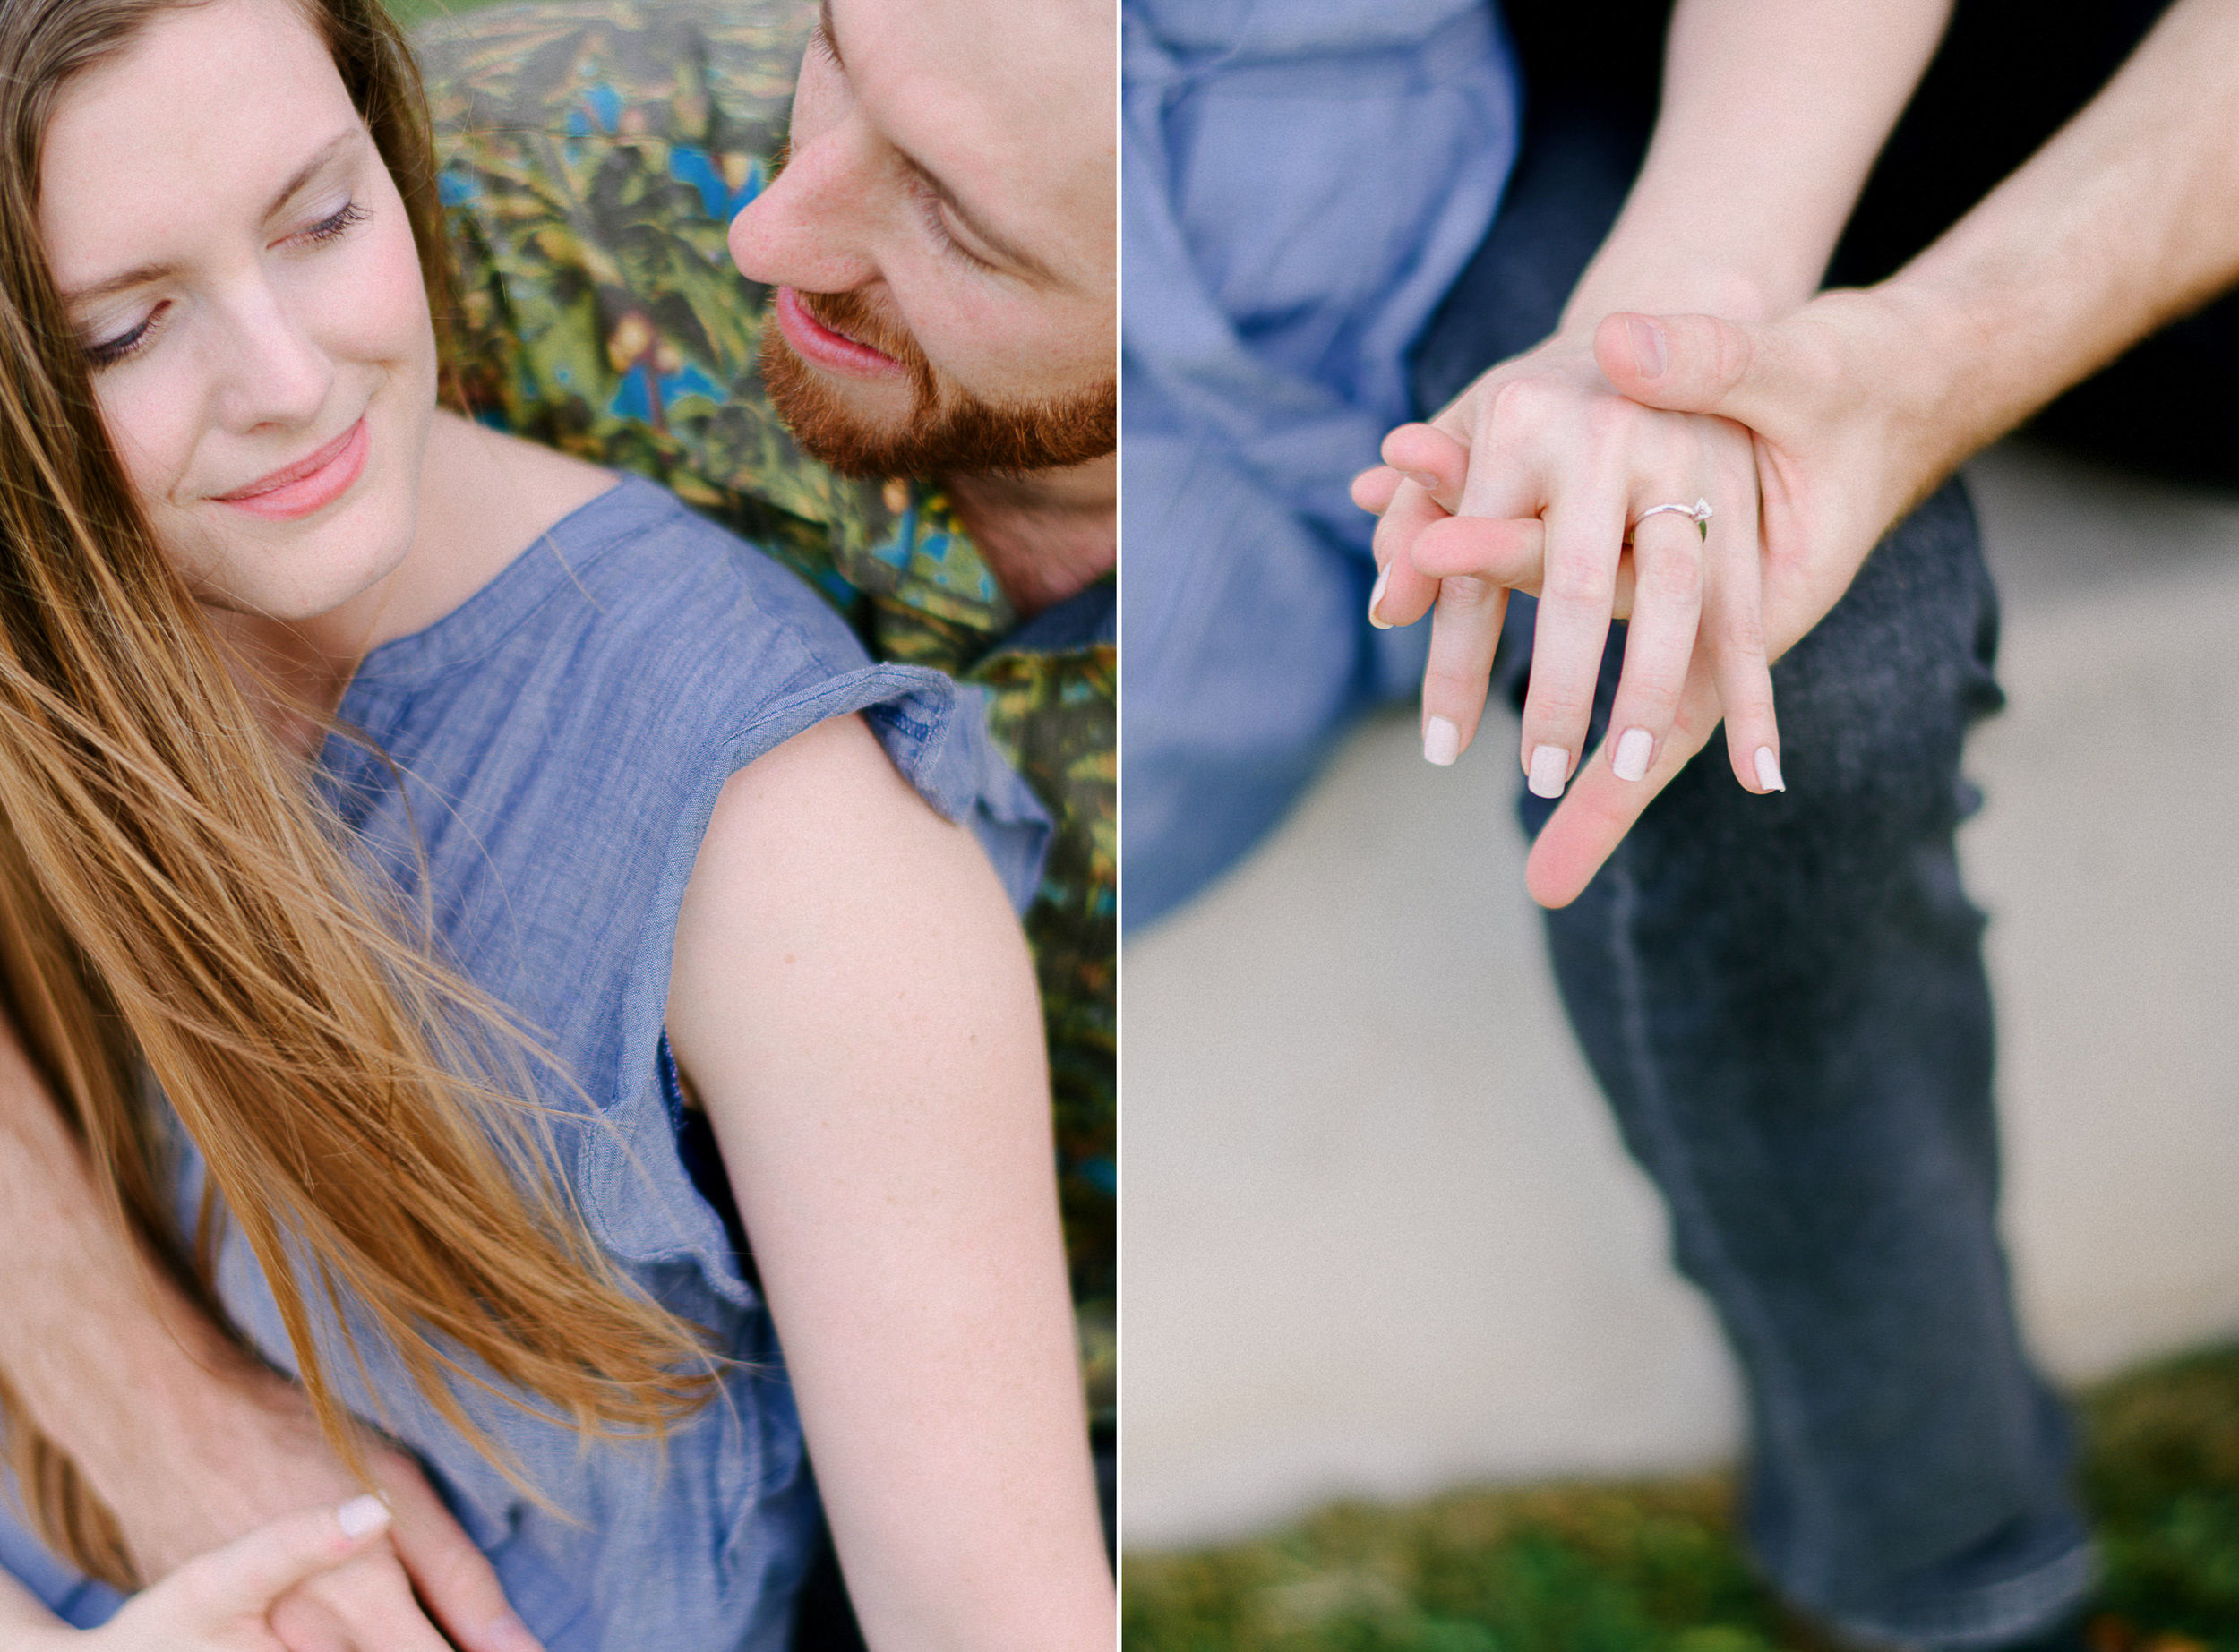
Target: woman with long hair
(490,936)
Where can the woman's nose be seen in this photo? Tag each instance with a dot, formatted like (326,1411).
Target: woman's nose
(273,370)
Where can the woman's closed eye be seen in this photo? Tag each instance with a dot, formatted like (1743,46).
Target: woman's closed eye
(108,352)
(121,346)
(333,226)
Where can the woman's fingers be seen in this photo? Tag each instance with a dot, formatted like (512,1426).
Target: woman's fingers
(1660,639)
(1401,595)
(1464,633)
(1734,638)
(243,1578)
(1585,531)
(370,1604)
(1507,550)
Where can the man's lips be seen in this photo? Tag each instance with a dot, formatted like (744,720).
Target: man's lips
(311,483)
(814,341)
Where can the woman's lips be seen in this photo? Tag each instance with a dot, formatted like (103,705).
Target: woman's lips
(813,340)
(310,483)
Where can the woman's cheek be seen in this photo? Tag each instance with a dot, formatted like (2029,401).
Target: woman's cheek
(380,302)
(152,419)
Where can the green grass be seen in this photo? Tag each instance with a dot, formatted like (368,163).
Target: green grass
(1654,1567)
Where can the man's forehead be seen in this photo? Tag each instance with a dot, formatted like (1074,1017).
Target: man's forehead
(1024,76)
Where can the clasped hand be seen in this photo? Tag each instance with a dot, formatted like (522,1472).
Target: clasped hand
(1538,477)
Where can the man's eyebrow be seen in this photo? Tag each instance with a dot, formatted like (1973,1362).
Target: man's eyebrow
(144,273)
(1004,248)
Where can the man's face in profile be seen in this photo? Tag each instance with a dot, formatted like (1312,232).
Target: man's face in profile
(942,238)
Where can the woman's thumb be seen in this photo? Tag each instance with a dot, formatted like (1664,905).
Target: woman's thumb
(246,1576)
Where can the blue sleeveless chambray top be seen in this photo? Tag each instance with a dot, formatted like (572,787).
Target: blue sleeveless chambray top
(562,735)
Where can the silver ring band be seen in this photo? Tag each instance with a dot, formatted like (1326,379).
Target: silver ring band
(1699,513)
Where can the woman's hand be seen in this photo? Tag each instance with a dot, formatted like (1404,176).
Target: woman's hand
(220,1602)
(1540,477)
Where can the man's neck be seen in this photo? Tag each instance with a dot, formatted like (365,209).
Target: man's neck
(1045,535)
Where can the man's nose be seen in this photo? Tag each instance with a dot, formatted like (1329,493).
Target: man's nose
(811,228)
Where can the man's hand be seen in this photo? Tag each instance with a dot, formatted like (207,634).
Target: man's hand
(260,1458)
(188,1442)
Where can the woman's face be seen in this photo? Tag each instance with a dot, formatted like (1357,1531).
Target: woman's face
(238,267)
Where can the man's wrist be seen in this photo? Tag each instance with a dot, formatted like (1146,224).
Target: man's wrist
(134,1420)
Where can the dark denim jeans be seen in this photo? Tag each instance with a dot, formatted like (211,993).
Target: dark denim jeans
(1783,998)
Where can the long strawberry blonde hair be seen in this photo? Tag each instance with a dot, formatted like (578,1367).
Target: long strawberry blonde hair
(177,905)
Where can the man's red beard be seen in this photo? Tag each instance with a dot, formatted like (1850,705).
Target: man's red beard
(943,433)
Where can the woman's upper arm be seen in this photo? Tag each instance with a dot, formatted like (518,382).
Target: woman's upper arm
(854,1002)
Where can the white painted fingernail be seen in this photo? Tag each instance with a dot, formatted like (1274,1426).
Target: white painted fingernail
(1630,760)
(1376,595)
(1442,741)
(1550,767)
(362,1515)
(1769,770)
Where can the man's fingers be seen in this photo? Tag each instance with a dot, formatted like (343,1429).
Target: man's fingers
(1464,632)
(1508,551)
(1429,457)
(1373,488)
(456,1582)
(244,1578)
(1599,809)
(1690,363)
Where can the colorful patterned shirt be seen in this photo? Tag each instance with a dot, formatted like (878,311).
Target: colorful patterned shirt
(593,156)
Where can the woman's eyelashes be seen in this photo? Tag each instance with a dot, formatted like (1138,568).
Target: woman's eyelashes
(337,225)
(110,352)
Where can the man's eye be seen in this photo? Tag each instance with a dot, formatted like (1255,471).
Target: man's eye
(929,203)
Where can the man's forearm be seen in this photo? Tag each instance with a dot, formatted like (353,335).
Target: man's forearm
(1772,113)
(2128,218)
(102,1352)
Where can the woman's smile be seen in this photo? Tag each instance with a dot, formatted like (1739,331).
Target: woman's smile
(310,483)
